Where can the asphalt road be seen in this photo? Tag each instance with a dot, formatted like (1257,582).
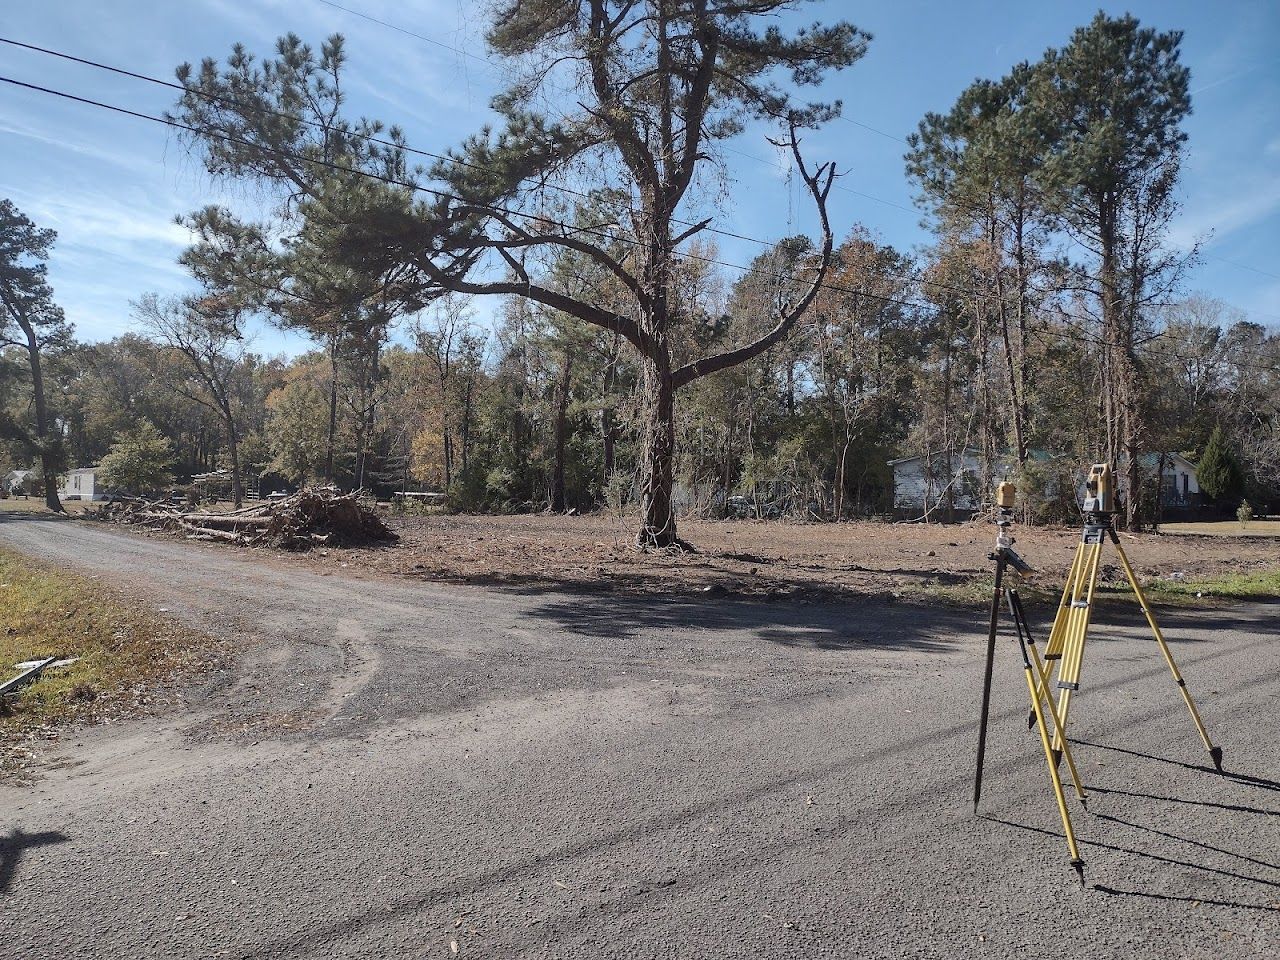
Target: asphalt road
(413,770)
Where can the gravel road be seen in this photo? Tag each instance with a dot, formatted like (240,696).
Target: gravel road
(400,769)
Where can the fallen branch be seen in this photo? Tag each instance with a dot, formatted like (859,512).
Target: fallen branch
(305,519)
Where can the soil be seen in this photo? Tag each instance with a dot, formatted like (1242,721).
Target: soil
(772,559)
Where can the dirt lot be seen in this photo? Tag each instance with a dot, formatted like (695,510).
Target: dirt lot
(771,559)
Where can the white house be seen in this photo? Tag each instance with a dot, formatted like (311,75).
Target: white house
(1179,486)
(940,482)
(82,484)
(951,481)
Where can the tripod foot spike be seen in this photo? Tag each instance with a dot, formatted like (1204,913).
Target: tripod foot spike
(1057,758)
(1078,867)
(1216,754)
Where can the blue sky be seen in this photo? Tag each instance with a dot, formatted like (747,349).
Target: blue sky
(111,185)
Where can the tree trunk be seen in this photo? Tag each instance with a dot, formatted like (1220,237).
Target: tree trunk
(561,435)
(233,448)
(49,464)
(330,438)
(658,522)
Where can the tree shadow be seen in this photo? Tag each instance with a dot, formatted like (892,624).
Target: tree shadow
(838,625)
(13,846)
(44,516)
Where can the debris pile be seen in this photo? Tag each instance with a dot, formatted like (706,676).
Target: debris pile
(310,518)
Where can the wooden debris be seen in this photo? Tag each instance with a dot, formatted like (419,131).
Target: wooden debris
(312,517)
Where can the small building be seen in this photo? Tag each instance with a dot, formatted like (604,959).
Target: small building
(944,486)
(947,485)
(1179,485)
(82,484)
(20,483)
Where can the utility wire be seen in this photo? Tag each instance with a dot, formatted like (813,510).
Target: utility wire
(846,119)
(464,163)
(176,124)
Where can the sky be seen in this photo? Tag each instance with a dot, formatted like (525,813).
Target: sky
(111,185)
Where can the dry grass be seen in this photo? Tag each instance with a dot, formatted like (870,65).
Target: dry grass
(126,654)
(36,505)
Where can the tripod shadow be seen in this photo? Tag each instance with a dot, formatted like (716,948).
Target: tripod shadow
(1244,779)
(1180,839)
(1230,874)
(16,844)
(1232,807)
(1114,892)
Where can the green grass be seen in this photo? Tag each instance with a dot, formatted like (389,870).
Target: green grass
(1239,587)
(1225,528)
(124,649)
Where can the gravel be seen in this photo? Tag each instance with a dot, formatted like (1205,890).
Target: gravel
(397,769)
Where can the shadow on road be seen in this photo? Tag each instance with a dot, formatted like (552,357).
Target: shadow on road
(1244,779)
(16,844)
(822,626)
(1170,861)
(1197,901)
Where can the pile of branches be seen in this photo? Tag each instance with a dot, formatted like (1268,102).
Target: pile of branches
(309,518)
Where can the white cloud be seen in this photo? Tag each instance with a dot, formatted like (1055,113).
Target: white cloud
(1214,216)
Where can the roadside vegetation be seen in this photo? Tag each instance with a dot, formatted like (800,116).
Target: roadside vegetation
(127,655)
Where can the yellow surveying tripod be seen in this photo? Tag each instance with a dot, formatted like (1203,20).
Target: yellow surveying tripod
(1033,669)
(1071,625)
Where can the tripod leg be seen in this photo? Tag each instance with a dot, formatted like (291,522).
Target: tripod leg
(1057,633)
(1077,862)
(1073,648)
(986,682)
(1215,753)
(1024,633)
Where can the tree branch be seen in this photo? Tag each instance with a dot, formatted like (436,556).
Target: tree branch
(819,183)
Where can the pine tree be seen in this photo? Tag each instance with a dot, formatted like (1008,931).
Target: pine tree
(1219,473)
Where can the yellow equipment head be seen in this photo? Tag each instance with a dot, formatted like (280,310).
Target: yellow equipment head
(1099,493)
(1005,492)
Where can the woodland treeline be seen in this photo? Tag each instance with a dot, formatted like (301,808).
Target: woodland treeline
(621,361)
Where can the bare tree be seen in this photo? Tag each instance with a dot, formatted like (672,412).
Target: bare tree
(207,334)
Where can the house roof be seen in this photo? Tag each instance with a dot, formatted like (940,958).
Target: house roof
(83,470)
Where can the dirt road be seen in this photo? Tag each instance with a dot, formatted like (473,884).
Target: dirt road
(413,770)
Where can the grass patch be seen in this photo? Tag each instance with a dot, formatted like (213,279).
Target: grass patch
(1256,585)
(1224,528)
(126,652)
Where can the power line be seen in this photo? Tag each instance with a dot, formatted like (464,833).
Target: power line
(464,163)
(171,122)
(718,231)
(857,123)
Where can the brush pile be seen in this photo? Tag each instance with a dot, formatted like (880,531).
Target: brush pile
(310,518)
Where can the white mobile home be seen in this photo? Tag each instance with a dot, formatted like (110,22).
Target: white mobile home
(946,485)
(82,484)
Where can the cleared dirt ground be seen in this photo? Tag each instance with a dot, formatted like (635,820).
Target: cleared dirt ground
(770,559)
